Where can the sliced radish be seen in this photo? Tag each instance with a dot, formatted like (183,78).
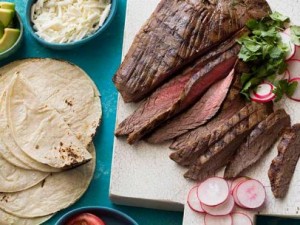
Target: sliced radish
(297,53)
(286,39)
(193,200)
(294,68)
(254,98)
(264,90)
(220,210)
(251,194)
(241,219)
(237,181)
(234,194)
(283,76)
(217,220)
(296,95)
(213,191)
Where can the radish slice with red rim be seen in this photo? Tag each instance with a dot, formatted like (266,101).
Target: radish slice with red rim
(296,95)
(217,220)
(297,53)
(237,181)
(241,219)
(294,68)
(264,90)
(234,194)
(251,194)
(213,191)
(220,210)
(286,39)
(269,98)
(193,200)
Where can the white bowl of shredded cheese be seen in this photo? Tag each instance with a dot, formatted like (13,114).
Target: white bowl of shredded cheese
(64,24)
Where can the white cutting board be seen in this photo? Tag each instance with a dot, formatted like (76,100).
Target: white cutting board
(144,176)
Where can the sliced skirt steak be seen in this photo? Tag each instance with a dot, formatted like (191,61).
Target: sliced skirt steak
(284,164)
(224,147)
(177,33)
(261,139)
(194,143)
(205,109)
(177,95)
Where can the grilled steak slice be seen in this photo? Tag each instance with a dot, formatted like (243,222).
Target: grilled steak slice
(284,164)
(176,96)
(260,140)
(205,109)
(177,33)
(220,152)
(193,144)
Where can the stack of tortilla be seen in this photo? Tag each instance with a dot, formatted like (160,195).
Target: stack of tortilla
(49,113)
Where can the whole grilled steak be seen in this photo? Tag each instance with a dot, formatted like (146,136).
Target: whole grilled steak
(220,152)
(258,142)
(205,109)
(177,95)
(178,32)
(283,166)
(194,143)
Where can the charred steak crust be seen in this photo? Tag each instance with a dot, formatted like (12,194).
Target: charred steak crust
(261,139)
(193,144)
(173,88)
(284,164)
(205,109)
(219,153)
(160,107)
(177,33)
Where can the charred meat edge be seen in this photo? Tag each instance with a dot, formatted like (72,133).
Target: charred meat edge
(205,109)
(143,121)
(261,139)
(219,154)
(177,33)
(193,144)
(284,164)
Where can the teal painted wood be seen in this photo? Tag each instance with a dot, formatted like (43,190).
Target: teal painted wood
(100,59)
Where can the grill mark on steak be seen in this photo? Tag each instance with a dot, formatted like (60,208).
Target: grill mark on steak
(258,143)
(284,164)
(192,144)
(176,96)
(177,33)
(199,114)
(219,154)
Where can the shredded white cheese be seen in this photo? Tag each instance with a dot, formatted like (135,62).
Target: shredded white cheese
(65,21)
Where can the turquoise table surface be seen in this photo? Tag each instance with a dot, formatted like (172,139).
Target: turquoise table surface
(100,59)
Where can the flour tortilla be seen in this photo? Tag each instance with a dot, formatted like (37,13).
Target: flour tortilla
(13,179)
(59,191)
(11,152)
(8,219)
(65,87)
(5,153)
(39,130)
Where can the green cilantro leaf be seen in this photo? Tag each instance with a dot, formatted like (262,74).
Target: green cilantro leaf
(284,87)
(264,52)
(295,34)
(291,88)
(279,17)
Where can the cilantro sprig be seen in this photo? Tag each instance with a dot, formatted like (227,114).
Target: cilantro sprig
(265,53)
